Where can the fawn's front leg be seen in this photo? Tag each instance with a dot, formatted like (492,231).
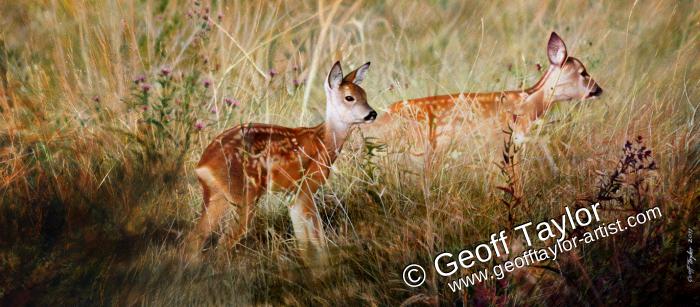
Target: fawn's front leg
(308,227)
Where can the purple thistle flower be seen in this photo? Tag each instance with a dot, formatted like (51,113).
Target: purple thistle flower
(232,102)
(272,72)
(199,125)
(220,16)
(140,79)
(145,87)
(214,110)
(145,108)
(296,83)
(207,83)
(165,71)
(96,99)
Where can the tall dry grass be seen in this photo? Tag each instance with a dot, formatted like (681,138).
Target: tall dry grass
(106,106)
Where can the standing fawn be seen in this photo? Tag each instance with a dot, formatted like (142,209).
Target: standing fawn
(437,119)
(245,161)
(565,79)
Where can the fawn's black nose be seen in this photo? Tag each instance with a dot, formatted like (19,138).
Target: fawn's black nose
(371,116)
(597,91)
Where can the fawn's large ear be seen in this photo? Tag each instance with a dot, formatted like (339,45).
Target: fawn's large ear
(556,50)
(357,75)
(335,77)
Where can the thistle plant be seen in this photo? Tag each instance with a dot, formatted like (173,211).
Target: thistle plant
(167,111)
(631,178)
(512,191)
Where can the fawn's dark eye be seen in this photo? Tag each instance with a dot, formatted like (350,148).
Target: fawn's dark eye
(349,98)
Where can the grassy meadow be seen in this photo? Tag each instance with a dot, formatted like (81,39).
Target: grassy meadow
(106,107)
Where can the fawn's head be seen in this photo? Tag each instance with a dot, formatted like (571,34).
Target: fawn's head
(346,101)
(567,77)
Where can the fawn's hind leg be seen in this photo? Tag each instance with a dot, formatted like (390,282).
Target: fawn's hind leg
(239,227)
(215,207)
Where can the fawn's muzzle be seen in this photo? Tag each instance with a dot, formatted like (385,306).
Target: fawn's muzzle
(371,116)
(597,91)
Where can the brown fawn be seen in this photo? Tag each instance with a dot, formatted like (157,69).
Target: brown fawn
(565,79)
(245,161)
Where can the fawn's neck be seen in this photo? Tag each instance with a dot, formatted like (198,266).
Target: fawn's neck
(540,96)
(333,136)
